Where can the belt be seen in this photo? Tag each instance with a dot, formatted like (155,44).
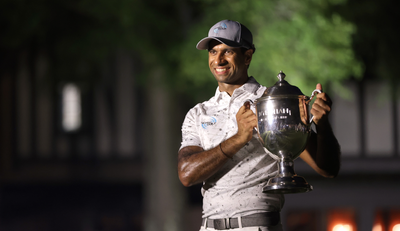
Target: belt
(258,219)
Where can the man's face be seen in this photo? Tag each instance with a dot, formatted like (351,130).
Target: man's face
(228,64)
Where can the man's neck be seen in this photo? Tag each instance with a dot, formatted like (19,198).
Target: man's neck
(229,88)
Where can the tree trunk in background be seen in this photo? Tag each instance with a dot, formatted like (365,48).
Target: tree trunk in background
(163,192)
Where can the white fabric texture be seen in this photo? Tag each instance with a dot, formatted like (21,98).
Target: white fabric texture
(236,189)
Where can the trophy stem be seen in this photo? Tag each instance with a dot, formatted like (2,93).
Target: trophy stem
(286,168)
(287,181)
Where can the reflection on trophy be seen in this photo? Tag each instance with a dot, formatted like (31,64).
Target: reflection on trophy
(284,127)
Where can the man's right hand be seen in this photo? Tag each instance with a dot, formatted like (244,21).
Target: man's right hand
(246,121)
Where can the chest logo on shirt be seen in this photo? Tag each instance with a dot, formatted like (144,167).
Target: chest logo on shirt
(208,122)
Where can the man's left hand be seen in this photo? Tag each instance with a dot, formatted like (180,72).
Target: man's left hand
(321,107)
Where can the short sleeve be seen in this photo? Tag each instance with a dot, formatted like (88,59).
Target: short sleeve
(190,133)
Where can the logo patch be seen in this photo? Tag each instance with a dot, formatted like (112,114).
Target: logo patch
(222,27)
(210,121)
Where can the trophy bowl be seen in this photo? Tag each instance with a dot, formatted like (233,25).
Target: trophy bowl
(284,128)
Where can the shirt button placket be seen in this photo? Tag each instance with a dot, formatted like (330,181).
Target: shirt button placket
(231,116)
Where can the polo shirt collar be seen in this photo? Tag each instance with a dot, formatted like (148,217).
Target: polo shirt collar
(250,86)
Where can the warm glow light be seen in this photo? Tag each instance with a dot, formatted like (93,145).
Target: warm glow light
(396,227)
(377,227)
(341,227)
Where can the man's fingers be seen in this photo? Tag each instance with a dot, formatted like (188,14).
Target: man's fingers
(319,87)
(323,98)
(242,109)
(245,108)
(317,108)
(323,104)
(246,116)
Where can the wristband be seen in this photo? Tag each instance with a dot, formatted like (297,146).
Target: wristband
(220,147)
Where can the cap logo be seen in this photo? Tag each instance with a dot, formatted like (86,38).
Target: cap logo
(222,27)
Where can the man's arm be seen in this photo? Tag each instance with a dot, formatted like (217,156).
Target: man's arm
(196,165)
(323,150)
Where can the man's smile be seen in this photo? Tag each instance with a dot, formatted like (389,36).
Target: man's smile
(221,70)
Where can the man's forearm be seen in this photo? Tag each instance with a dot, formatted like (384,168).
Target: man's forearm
(196,165)
(328,150)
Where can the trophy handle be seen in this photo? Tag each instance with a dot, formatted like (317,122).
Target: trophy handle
(314,93)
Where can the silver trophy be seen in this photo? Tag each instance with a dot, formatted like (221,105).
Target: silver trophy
(284,127)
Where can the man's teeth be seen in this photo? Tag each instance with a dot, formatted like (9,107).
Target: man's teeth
(221,69)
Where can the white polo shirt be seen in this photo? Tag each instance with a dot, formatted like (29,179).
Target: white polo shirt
(236,189)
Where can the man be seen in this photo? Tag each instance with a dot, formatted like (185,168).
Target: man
(220,147)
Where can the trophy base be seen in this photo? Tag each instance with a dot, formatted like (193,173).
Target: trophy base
(286,185)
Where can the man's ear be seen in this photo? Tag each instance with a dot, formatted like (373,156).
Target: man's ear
(248,55)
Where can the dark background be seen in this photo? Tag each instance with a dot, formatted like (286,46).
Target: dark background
(95,178)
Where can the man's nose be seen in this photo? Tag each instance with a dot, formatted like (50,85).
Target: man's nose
(220,59)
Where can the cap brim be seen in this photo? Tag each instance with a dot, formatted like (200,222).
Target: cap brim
(203,44)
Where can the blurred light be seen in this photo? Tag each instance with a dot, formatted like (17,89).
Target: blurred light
(342,227)
(71,108)
(379,224)
(396,227)
(394,219)
(341,219)
(377,227)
